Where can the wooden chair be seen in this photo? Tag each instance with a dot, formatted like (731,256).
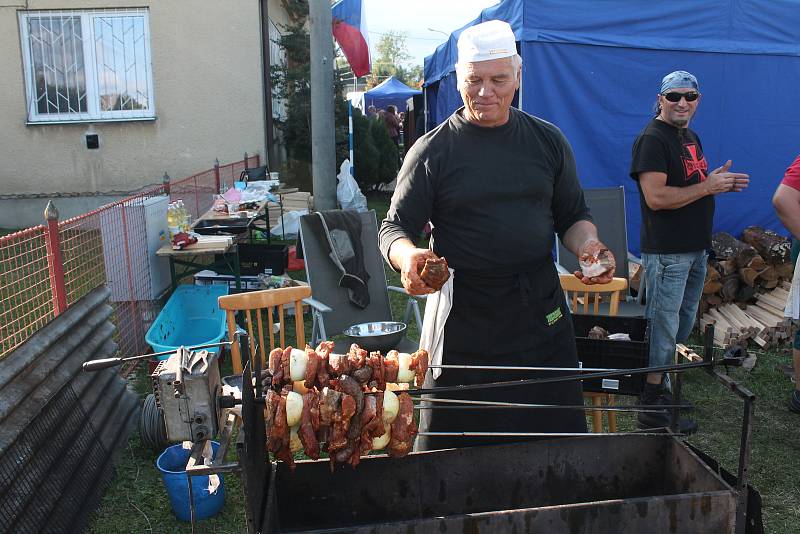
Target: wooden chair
(581,295)
(252,304)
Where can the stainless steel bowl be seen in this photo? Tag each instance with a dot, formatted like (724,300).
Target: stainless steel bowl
(380,335)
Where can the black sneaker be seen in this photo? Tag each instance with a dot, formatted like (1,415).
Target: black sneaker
(657,394)
(794,402)
(686,405)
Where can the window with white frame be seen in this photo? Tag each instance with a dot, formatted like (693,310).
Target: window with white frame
(87,65)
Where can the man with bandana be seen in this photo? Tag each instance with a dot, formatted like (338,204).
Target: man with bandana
(676,193)
(496,185)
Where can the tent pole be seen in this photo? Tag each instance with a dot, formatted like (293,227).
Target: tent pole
(425,106)
(350,136)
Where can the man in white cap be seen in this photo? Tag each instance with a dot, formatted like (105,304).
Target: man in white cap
(496,185)
(676,193)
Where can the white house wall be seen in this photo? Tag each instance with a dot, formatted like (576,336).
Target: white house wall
(206,66)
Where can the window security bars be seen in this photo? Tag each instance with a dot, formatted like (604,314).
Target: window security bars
(87,65)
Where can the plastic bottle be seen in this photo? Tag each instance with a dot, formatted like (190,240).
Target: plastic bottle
(173,221)
(184,219)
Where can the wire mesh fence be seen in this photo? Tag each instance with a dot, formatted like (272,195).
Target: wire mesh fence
(47,268)
(26,296)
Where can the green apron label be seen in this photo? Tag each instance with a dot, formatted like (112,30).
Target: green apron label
(553,316)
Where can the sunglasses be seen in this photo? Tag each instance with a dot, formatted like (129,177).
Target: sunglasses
(676,97)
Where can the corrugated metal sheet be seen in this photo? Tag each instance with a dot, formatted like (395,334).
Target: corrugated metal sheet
(57,442)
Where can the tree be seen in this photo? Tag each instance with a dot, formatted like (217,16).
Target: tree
(392,60)
(291,82)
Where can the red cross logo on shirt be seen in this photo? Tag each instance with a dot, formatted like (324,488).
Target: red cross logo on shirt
(694,164)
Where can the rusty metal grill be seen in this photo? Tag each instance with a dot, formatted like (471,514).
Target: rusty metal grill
(49,476)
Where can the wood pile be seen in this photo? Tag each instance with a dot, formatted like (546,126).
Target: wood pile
(746,288)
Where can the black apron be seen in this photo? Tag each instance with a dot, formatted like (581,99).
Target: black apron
(517,317)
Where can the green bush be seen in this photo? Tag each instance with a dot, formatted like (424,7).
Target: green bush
(375,153)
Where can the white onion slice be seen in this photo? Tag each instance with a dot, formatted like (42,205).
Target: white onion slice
(391,405)
(297,364)
(294,408)
(404,374)
(383,441)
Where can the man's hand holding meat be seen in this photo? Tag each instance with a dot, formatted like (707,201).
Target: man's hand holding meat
(409,259)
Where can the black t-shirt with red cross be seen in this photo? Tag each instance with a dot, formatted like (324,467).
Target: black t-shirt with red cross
(677,152)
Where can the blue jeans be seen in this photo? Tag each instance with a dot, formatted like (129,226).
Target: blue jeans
(674,286)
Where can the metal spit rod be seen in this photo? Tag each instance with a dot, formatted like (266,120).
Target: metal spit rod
(523,368)
(464,404)
(568,378)
(548,434)
(105,363)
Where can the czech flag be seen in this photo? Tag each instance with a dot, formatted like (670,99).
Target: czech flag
(350,31)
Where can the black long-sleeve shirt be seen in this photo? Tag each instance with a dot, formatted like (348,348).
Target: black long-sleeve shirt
(494,196)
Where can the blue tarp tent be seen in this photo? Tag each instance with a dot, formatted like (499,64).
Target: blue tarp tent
(390,91)
(594,69)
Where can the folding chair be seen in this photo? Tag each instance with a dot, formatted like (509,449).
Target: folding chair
(252,305)
(332,310)
(607,206)
(580,294)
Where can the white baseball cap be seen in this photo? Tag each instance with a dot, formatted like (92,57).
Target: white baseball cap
(493,39)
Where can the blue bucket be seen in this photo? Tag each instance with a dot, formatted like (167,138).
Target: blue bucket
(172,464)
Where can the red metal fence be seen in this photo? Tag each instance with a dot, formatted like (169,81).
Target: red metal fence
(47,268)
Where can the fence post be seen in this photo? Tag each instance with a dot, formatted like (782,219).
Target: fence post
(258,160)
(165,181)
(216,175)
(245,159)
(54,264)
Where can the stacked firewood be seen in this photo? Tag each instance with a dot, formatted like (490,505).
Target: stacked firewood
(746,288)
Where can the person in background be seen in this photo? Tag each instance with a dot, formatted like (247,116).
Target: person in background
(787,205)
(676,193)
(372,112)
(392,122)
(497,186)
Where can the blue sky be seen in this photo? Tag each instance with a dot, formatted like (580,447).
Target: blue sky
(416,18)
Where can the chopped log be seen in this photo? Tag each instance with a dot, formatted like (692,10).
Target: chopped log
(730,286)
(784,270)
(728,247)
(769,284)
(757,263)
(711,287)
(748,276)
(712,273)
(768,274)
(772,247)
(745,293)
(727,267)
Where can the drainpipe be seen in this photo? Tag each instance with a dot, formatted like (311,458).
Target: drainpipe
(269,138)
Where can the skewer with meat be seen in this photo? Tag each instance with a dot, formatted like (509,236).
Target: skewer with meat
(312,365)
(339,443)
(309,423)
(375,361)
(323,350)
(419,364)
(338,364)
(278,442)
(391,366)
(403,429)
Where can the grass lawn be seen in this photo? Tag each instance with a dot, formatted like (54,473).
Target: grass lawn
(137,502)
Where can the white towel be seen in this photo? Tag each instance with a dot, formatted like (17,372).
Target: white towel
(437,309)
(793,302)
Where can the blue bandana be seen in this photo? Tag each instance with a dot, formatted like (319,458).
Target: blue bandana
(680,79)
